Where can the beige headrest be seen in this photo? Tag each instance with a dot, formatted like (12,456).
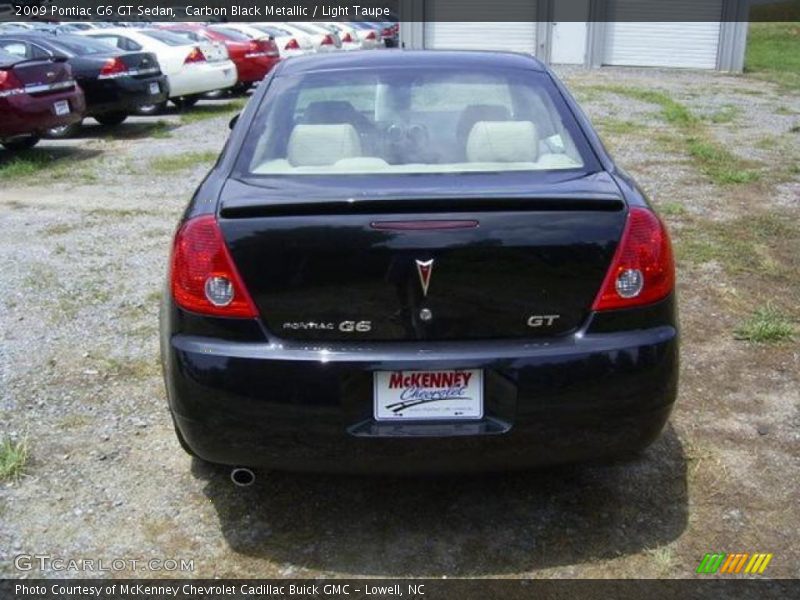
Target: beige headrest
(503,141)
(318,145)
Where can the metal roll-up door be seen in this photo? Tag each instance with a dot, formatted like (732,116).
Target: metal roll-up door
(515,36)
(649,42)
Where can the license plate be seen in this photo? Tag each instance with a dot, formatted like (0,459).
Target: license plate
(154,89)
(61,108)
(428,395)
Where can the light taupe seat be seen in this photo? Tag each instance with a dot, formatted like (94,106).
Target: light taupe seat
(503,142)
(322,144)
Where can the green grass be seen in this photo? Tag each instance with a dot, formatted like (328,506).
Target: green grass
(672,111)
(766,325)
(13,456)
(160,130)
(773,53)
(612,126)
(25,164)
(671,209)
(180,162)
(717,163)
(726,114)
(211,111)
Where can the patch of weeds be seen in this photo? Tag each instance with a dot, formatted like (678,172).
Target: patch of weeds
(211,111)
(725,115)
(59,229)
(611,126)
(153,297)
(785,111)
(117,212)
(25,164)
(13,456)
(663,558)
(672,209)
(160,130)
(179,162)
(795,128)
(743,245)
(766,325)
(132,368)
(718,164)
(672,111)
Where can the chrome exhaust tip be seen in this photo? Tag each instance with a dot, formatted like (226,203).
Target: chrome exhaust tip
(242,477)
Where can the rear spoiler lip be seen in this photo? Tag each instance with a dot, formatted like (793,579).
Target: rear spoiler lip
(416,205)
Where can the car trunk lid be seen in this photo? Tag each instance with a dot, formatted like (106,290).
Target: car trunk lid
(423,268)
(41,76)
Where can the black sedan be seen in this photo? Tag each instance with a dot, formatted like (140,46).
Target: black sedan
(417,261)
(115,83)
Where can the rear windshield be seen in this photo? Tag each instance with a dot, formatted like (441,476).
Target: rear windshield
(165,37)
(413,121)
(80,46)
(231,34)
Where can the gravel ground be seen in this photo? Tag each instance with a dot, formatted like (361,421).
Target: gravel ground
(83,256)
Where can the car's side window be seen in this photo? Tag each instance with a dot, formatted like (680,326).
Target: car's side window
(129,44)
(16,48)
(112,40)
(39,52)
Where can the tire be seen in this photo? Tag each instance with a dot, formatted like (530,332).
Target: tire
(112,118)
(184,102)
(64,131)
(215,95)
(240,89)
(18,144)
(147,110)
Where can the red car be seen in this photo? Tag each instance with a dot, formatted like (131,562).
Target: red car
(35,95)
(253,58)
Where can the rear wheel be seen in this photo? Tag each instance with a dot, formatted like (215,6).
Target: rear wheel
(241,88)
(184,102)
(20,143)
(151,109)
(64,131)
(113,118)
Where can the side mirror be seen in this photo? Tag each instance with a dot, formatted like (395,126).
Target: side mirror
(232,124)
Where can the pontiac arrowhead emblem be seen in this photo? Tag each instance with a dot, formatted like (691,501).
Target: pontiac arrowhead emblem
(425,268)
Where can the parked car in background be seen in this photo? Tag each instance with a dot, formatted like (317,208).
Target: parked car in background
(115,82)
(35,95)
(289,43)
(347,34)
(191,68)
(321,39)
(254,58)
(369,35)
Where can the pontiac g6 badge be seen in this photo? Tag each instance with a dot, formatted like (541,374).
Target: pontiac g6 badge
(424,269)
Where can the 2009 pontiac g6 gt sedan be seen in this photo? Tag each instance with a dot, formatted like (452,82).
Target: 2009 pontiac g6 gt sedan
(417,261)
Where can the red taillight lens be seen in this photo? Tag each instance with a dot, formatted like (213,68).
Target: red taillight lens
(195,56)
(387,32)
(347,39)
(371,35)
(202,274)
(327,40)
(113,67)
(9,84)
(292,45)
(643,270)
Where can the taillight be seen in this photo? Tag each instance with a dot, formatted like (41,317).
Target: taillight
(113,67)
(371,35)
(643,270)
(387,32)
(292,45)
(347,39)
(327,40)
(203,277)
(10,85)
(195,56)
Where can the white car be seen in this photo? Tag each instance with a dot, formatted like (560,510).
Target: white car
(192,68)
(347,34)
(289,44)
(323,39)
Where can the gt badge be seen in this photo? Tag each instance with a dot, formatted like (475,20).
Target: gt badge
(424,269)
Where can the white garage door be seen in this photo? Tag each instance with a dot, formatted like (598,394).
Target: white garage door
(514,36)
(655,43)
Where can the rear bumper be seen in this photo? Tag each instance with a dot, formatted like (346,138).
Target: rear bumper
(124,94)
(202,77)
(26,114)
(299,408)
(253,69)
